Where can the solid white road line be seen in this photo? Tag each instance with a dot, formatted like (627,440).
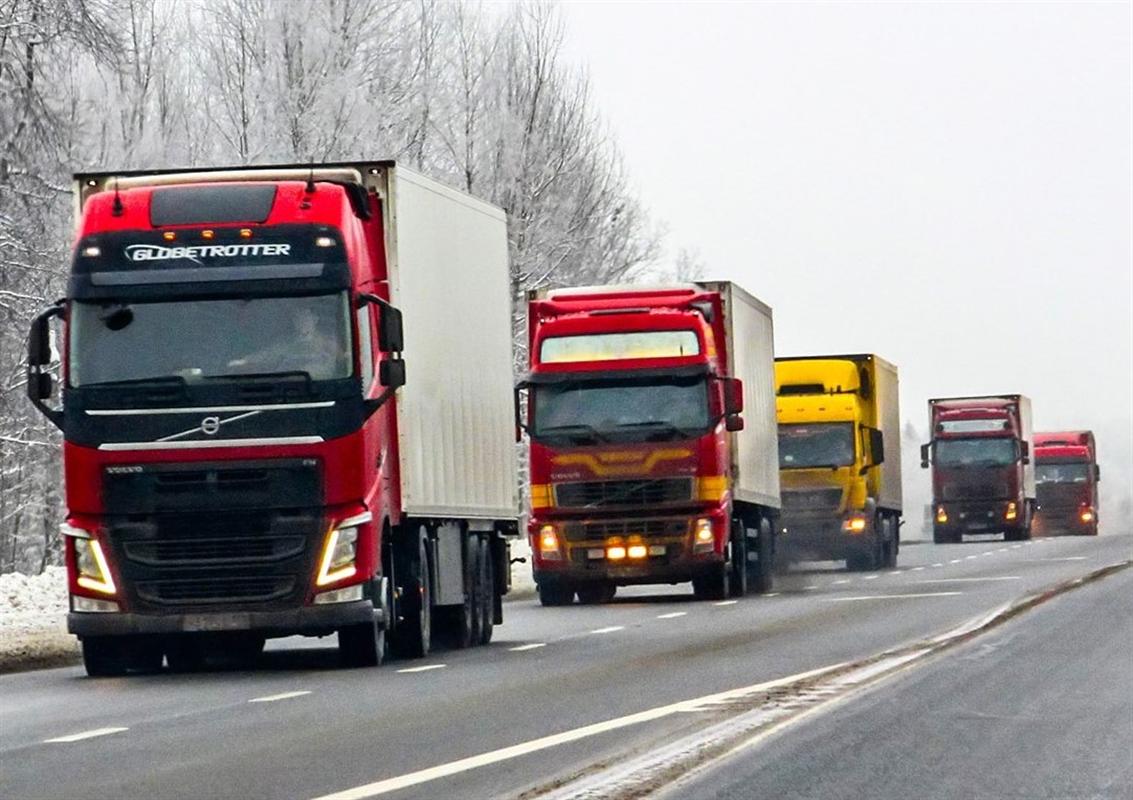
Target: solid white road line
(425,668)
(889,596)
(609,629)
(523,648)
(971,580)
(672,615)
(565,737)
(730,602)
(271,698)
(78,737)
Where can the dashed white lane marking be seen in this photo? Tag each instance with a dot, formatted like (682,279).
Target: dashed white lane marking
(895,572)
(811,588)
(918,569)
(972,580)
(988,553)
(869,578)
(425,668)
(565,737)
(525,647)
(1064,558)
(910,595)
(969,558)
(839,583)
(1001,550)
(78,737)
(726,603)
(771,594)
(271,698)
(609,629)
(939,564)
(955,561)
(672,615)
(1016,546)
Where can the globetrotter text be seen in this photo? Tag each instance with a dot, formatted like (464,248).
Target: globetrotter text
(151,252)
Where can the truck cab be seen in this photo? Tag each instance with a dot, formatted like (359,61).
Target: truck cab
(841,489)
(1066,478)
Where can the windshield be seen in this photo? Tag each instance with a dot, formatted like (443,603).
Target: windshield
(829,444)
(201,339)
(1062,473)
(982,452)
(648,410)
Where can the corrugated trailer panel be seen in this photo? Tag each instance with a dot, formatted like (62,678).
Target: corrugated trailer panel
(1026,425)
(889,422)
(449,276)
(752,359)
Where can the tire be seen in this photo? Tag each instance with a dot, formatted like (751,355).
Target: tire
(714,585)
(761,579)
(462,622)
(105,656)
(739,578)
(362,645)
(412,636)
(552,593)
(185,654)
(889,544)
(488,593)
(592,594)
(940,537)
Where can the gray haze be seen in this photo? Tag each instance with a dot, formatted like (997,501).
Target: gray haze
(946,185)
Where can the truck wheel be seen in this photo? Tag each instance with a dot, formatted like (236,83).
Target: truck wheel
(105,656)
(362,645)
(487,593)
(738,578)
(762,578)
(889,544)
(590,594)
(185,654)
(462,624)
(552,593)
(714,585)
(412,637)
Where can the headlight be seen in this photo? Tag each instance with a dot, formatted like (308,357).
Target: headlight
(855,524)
(340,552)
(94,572)
(1011,512)
(549,544)
(703,540)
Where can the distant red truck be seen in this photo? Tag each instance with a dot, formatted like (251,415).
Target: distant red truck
(983,479)
(1066,478)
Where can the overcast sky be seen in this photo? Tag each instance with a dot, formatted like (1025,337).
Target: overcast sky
(947,185)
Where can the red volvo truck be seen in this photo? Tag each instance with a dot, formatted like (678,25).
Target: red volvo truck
(983,480)
(1066,478)
(642,468)
(250,450)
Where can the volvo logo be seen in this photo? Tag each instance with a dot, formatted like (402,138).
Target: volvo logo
(210,426)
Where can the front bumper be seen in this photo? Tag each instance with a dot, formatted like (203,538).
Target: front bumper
(821,538)
(980,517)
(1062,521)
(306,620)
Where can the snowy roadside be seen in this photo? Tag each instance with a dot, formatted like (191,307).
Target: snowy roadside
(33,628)
(522,582)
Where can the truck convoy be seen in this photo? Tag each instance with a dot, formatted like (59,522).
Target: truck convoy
(983,480)
(642,468)
(841,483)
(1066,480)
(250,449)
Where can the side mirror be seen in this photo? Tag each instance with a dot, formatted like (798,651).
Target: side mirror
(40,387)
(734,423)
(733,396)
(520,422)
(1097,473)
(1024,452)
(391,373)
(39,341)
(876,446)
(391,338)
(924,455)
(40,384)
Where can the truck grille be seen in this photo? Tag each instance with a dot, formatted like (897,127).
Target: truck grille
(240,535)
(975,491)
(601,494)
(647,528)
(812,500)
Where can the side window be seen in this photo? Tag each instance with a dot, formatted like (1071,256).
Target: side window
(365,348)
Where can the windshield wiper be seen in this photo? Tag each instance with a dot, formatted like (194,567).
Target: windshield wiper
(299,374)
(572,430)
(156,380)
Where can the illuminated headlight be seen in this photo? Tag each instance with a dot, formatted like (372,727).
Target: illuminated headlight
(941,515)
(637,551)
(89,605)
(549,544)
(347,595)
(855,524)
(94,572)
(1086,515)
(703,541)
(341,551)
(1012,511)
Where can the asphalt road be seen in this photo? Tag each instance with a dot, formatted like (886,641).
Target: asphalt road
(1039,708)
(473,724)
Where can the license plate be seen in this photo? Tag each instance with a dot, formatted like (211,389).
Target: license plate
(216,622)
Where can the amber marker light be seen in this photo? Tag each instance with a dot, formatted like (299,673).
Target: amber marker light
(245,233)
(615,553)
(637,551)
(208,234)
(169,236)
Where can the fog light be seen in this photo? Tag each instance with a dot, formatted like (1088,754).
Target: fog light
(595,553)
(637,551)
(1087,515)
(549,544)
(855,524)
(657,550)
(88,605)
(615,553)
(347,595)
(941,515)
(1012,511)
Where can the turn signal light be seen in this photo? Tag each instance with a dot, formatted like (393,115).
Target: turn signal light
(1012,511)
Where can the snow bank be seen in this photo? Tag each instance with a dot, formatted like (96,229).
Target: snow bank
(522,584)
(33,630)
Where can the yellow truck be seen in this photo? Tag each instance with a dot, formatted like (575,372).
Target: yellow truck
(839,459)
